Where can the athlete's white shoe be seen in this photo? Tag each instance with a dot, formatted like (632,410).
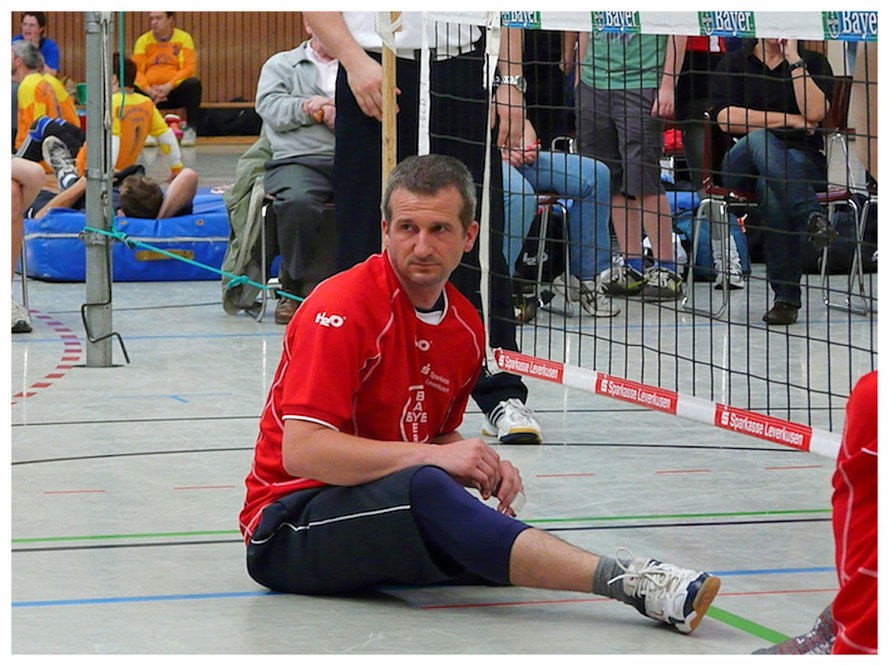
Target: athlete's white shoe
(679,597)
(513,423)
(21,318)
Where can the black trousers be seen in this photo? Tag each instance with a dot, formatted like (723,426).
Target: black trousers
(187,94)
(458,127)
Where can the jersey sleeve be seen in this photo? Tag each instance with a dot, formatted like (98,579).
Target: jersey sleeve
(140,58)
(188,59)
(327,347)
(158,126)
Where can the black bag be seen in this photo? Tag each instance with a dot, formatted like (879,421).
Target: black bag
(230,122)
(842,250)
(553,249)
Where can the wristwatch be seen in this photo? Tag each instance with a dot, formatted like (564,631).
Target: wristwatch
(799,63)
(516,80)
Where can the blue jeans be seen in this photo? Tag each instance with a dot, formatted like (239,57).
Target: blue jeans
(583,179)
(783,179)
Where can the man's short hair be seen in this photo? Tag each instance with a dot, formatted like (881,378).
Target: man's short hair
(129,70)
(40,16)
(140,197)
(29,54)
(428,175)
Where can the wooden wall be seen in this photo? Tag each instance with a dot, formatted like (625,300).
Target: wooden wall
(232,46)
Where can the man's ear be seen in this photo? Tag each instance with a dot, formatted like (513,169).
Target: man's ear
(384,226)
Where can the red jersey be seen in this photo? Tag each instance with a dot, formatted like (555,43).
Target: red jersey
(855,523)
(358,359)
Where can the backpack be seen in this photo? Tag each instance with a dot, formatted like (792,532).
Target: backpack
(841,251)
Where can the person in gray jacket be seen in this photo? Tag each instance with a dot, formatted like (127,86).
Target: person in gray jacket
(295,99)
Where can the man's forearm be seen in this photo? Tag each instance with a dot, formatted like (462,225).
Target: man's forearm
(333,32)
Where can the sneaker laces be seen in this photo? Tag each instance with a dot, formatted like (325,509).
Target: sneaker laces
(653,577)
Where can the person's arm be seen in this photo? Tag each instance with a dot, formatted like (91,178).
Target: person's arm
(365,75)
(665,101)
(64,199)
(811,100)
(510,102)
(180,193)
(140,58)
(583,44)
(50,53)
(276,102)
(311,450)
(169,147)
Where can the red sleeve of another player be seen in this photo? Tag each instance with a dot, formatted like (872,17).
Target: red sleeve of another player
(855,523)
(327,352)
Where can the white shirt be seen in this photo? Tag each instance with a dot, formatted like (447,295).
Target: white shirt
(326,71)
(448,39)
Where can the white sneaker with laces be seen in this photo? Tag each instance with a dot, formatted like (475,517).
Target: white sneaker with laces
(57,155)
(513,423)
(661,284)
(622,280)
(673,595)
(21,318)
(593,299)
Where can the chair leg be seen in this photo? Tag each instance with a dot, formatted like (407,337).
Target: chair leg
(719,232)
(855,280)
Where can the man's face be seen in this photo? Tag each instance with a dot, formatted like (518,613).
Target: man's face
(31,30)
(425,239)
(161,24)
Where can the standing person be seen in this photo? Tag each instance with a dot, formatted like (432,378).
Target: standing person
(772,97)
(458,127)
(359,470)
(626,89)
(295,99)
(39,95)
(166,63)
(27,179)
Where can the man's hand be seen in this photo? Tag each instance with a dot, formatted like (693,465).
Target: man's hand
(470,462)
(315,105)
(510,107)
(510,486)
(527,152)
(366,82)
(790,48)
(665,100)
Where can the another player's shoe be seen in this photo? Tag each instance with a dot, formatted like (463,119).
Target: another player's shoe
(513,423)
(621,280)
(57,155)
(189,136)
(661,284)
(21,318)
(673,595)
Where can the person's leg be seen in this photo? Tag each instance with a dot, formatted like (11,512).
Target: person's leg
(187,94)
(27,177)
(520,203)
(179,194)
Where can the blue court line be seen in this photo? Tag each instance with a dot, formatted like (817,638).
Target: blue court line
(191,336)
(264,593)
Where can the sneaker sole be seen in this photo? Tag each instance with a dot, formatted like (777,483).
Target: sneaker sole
(517,436)
(22,327)
(703,599)
(658,297)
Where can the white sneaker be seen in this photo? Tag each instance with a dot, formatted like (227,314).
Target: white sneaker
(593,299)
(661,284)
(189,136)
(622,280)
(513,423)
(21,319)
(57,155)
(673,595)
(735,275)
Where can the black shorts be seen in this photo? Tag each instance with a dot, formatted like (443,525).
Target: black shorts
(341,539)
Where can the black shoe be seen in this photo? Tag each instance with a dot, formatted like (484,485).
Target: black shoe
(820,232)
(781,313)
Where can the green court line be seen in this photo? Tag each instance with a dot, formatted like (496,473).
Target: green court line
(161,535)
(769,635)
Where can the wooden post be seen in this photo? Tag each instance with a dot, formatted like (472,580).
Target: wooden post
(390,135)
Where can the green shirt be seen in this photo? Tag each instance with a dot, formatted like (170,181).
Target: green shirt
(624,61)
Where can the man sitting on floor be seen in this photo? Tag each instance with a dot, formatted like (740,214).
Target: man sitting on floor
(359,470)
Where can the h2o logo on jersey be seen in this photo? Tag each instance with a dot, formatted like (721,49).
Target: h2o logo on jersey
(334,320)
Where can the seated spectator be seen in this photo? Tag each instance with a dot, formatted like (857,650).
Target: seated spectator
(585,180)
(33,27)
(27,179)
(772,97)
(129,130)
(166,63)
(295,99)
(39,94)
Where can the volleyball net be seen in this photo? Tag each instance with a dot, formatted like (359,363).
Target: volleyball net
(571,228)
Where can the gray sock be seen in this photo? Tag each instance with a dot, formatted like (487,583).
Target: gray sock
(819,640)
(607,569)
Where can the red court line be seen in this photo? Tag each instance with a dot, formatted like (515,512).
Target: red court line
(70,492)
(682,471)
(71,352)
(541,602)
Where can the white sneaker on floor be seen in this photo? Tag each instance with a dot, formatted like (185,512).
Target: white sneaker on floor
(513,423)
(189,136)
(593,299)
(673,595)
(21,318)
